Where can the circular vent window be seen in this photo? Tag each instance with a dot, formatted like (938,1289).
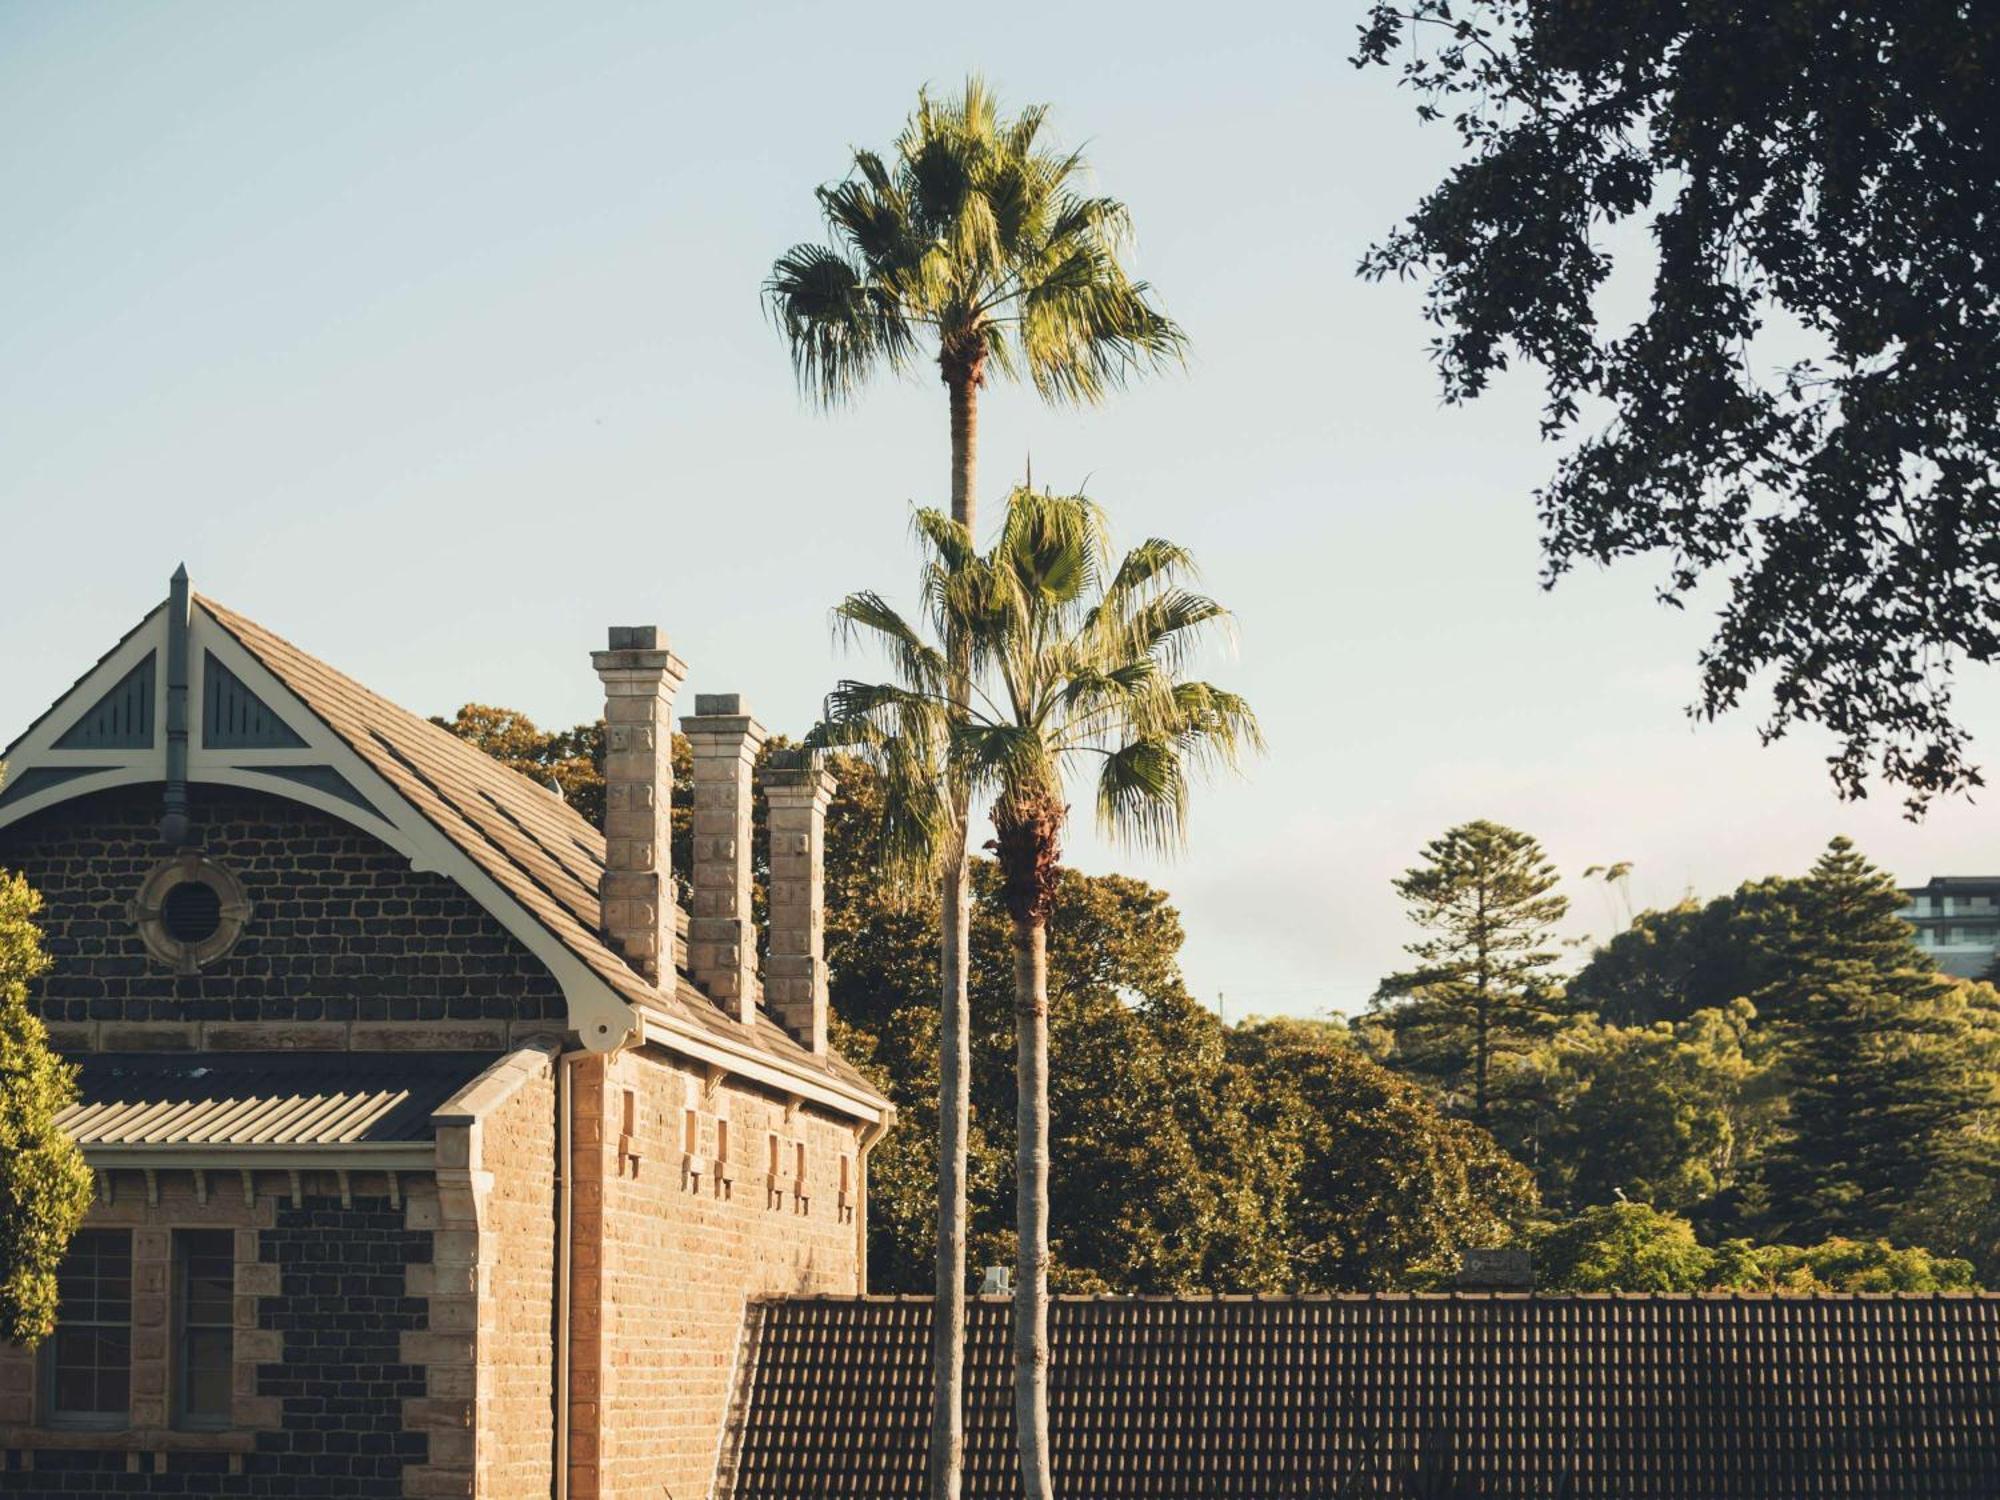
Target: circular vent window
(190,912)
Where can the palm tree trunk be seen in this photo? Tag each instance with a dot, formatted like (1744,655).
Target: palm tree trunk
(947,1445)
(1031,1214)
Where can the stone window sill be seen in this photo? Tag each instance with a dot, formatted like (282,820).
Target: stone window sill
(128,1440)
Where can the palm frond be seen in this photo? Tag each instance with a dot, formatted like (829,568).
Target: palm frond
(1167,627)
(975,228)
(918,828)
(946,539)
(867,615)
(1155,561)
(839,329)
(1084,330)
(1217,729)
(1142,795)
(1052,548)
(1007,758)
(1062,665)
(870,215)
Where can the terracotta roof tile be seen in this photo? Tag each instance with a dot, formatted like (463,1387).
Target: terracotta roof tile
(536,847)
(1634,1397)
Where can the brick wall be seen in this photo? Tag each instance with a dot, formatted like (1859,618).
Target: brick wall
(347,946)
(323,1309)
(678,1255)
(341,1311)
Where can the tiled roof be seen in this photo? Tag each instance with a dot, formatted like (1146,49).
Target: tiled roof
(536,847)
(171,1100)
(1632,1397)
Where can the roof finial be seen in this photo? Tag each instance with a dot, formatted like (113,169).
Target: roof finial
(175,825)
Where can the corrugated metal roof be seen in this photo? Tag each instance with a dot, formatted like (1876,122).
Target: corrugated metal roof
(263,1098)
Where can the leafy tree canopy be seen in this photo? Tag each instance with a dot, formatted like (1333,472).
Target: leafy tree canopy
(1827,172)
(1628,1247)
(1381,1188)
(44,1184)
(1673,1116)
(1631,1247)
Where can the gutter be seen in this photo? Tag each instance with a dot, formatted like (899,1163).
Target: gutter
(744,1062)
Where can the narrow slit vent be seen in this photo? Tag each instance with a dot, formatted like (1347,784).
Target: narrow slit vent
(121,720)
(234,718)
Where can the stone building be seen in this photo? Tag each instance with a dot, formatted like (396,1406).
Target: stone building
(439,1150)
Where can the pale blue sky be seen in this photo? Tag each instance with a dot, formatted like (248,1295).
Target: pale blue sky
(429,336)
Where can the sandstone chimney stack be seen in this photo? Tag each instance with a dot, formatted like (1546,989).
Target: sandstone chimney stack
(640,677)
(796,793)
(722,940)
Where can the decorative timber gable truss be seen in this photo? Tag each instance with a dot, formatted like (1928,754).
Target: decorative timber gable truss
(256,712)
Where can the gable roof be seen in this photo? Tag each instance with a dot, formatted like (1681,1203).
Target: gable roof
(1238,1398)
(544,854)
(273,718)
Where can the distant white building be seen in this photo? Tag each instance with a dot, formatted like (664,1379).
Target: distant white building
(1957,918)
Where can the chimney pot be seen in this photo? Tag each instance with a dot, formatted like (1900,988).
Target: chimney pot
(635,638)
(722,939)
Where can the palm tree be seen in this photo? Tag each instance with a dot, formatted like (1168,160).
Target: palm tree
(976,241)
(1073,674)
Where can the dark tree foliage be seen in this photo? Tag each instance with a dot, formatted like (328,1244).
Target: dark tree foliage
(1881,1082)
(1826,171)
(1385,1190)
(1696,956)
(1668,1115)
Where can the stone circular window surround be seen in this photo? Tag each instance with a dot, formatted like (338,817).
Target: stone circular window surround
(159,921)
